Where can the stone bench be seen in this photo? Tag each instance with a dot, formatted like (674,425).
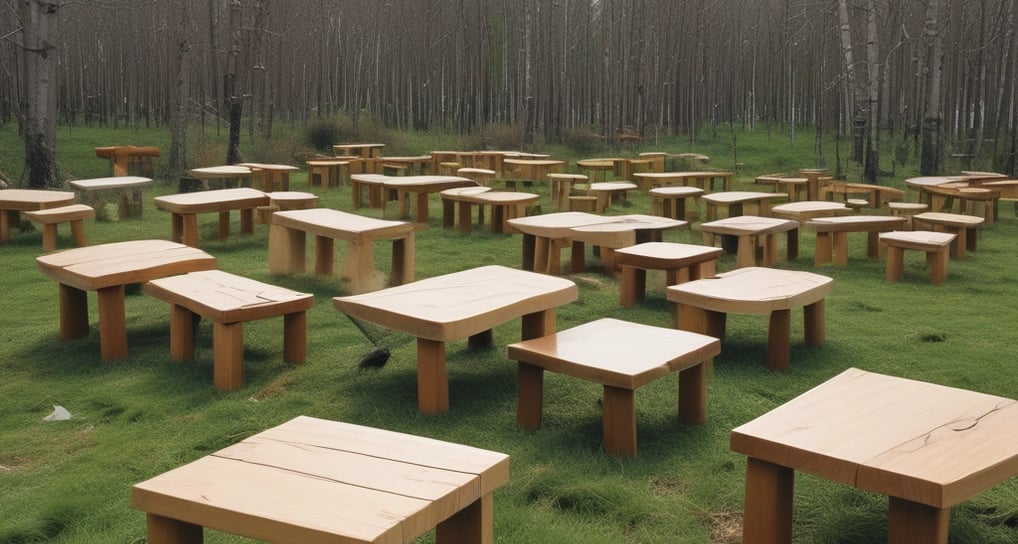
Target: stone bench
(49,218)
(228,301)
(935,244)
(126,191)
(622,357)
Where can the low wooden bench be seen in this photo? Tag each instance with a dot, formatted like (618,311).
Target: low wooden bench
(935,244)
(126,191)
(755,238)
(327,173)
(482,176)
(622,357)
(672,201)
(965,226)
(281,201)
(607,191)
(906,210)
(287,245)
(185,207)
(832,235)
(505,205)
(681,263)
(229,301)
(49,218)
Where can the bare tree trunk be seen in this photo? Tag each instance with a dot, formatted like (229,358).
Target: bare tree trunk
(872,166)
(177,163)
(933,122)
(234,101)
(853,89)
(39,30)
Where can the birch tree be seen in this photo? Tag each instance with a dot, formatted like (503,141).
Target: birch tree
(39,30)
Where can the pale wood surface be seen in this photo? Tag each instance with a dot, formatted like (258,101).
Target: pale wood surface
(556,225)
(455,306)
(116,182)
(120,263)
(313,480)
(753,290)
(341,225)
(657,255)
(749,224)
(223,171)
(914,440)
(225,297)
(212,201)
(950,219)
(856,223)
(120,155)
(33,199)
(809,209)
(922,240)
(63,213)
(625,230)
(359,150)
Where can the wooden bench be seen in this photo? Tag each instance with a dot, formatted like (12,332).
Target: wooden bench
(281,201)
(607,191)
(966,227)
(681,263)
(229,301)
(622,357)
(49,218)
(672,201)
(287,246)
(505,205)
(935,244)
(326,173)
(755,238)
(185,207)
(126,191)
(906,210)
(832,235)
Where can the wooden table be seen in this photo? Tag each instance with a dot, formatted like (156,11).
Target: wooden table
(529,169)
(809,209)
(106,269)
(403,186)
(681,263)
(705,180)
(365,151)
(755,238)
(15,201)
(736,203)
(545,235)
(122,157)
(287,246)
(650,180)
(966,227)
(505,205)
(703,305)
(127,192)
(327,173)
(229,174)
(621,231)
(605,192)
(270,177)
(671,201)
(832,235)
(927,447)
(816,178)
(456,306)
(416,163)
(314,480)
(185,207)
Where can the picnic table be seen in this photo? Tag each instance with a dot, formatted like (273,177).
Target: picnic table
(185,207)
(314,480)
(15,201)
(106,269)
(927,447)
(459,305)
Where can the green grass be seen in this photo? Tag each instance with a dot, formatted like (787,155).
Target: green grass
(69,482)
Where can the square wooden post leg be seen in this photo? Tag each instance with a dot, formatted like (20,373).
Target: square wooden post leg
(247,221)
(422,208)
(529,252)
(619,413)
(163,530)
(432,379)
(693,394)
(895,263)
(224,225)
(873,245)
(295,337)
(176,227)
(814,323)
(971,236)
(823,248)
(8,219)
(402,260)
(182,323)
(73,313)
(792,244)
(542,251)
(779,334)
(189,229)
(909,522)
(448,213)
(634,281)
(78,232)
(228,355)
(530,401)
(767,512)
(577,258)
(471,525)
(287,251)
(466,217)
(840,248)
(937,261)
(538,324)
(112,323)
(325,256)
(746,252)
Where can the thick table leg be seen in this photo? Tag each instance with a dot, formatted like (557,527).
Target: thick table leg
(422,208)
(325,256)
(840,248)
(746,252)
(295,337)
(170,531)
(224,225)
(73,313)
(699,320)
(693,394)
(176,228)
(78,232)
(619,414)
(402,271)
(937,261)
(767,516)
(182,323)
(49,237)
(112,323)
(529,252)
(824,244)
(189,229)
(287,250)
(432,379)
(914,523)
(895,263)
(779,334)
(542,251)
(8,219)
(577,258)
(228,355)
(634,282)
(873,245)
(530,402)
(471,525)
(466,217)
(814,323)
(792,244)
(247,221)
(538,324)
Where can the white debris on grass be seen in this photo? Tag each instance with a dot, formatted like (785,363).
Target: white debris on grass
(59,414)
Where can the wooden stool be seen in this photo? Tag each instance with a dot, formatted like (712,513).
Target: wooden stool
(622,357)
(671,201)
(755,238)
(935,244)
(965,226)
(49,218)
(797,189)
(681,263)
(229,300)
(560,186)
(607,191)
(906,210)
(327,173)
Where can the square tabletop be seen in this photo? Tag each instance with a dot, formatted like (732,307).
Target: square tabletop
(918,441)
(314,480)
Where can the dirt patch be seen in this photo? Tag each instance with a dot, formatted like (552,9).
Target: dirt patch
(725,527)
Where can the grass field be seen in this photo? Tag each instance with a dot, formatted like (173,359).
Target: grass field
(69,481)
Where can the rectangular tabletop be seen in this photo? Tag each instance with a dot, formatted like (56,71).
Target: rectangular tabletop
(455,306)
(119,263)
(341,225)
(314,480)
(919,441)
(212,201)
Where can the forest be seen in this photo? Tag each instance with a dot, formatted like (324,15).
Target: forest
(939,75)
